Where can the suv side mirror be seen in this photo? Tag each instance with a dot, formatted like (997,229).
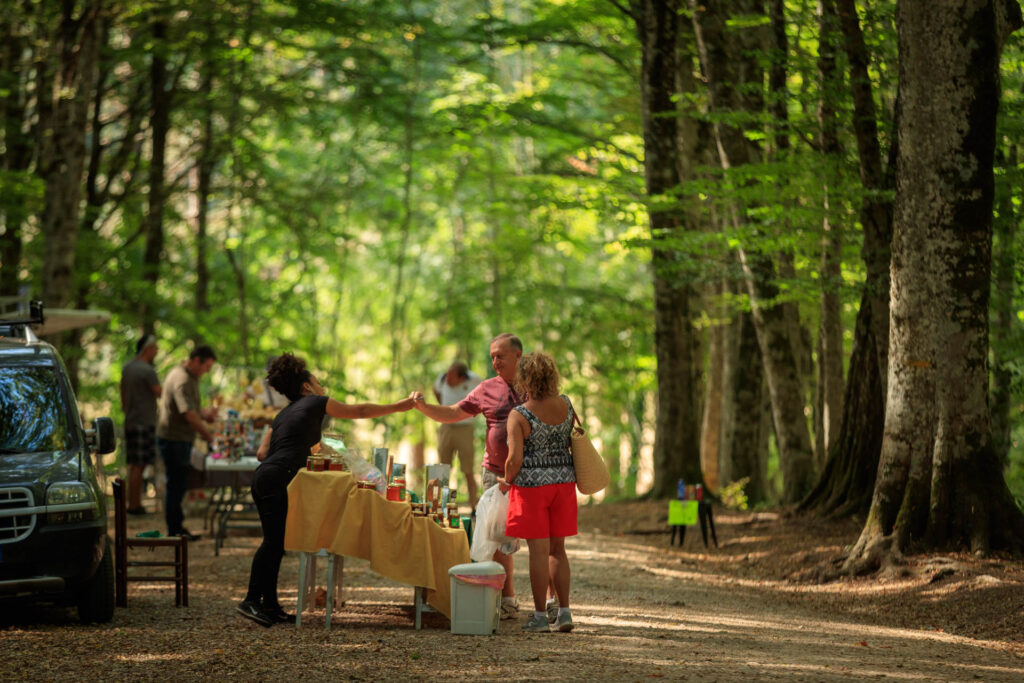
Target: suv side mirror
(101,437)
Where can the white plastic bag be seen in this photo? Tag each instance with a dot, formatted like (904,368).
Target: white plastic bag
(363,470)
(489,532)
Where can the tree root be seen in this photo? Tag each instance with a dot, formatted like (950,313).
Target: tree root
(879,554)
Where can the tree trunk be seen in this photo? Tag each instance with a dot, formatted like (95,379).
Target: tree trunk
(160,120)
(91,248)
(714,397)
(831,334)
(939,481)
(730,64)
(750,438)
(17,155)
(63,118)
(677,441)
(843,487)
(1003,318)
(204,171)
(846,482)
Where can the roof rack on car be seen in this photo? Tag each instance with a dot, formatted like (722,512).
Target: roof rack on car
(10,327)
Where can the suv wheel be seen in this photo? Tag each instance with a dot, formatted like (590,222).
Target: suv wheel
(96,597)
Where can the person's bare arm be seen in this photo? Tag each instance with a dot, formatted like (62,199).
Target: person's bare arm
(357,411)
(264,450)
(192,417)
(157,390)
(516,425)
(446,414)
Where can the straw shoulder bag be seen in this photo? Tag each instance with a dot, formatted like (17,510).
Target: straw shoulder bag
(591,471)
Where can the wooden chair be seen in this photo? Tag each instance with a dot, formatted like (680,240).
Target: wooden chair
(122,544)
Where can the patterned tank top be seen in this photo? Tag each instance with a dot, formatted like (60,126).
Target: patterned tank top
(546,456)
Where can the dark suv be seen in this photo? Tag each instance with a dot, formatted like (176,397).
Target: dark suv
(53,514)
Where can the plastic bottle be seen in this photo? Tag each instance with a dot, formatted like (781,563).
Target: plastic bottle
(681,490)
(699,492)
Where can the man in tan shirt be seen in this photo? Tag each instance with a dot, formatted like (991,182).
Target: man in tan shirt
(181,418)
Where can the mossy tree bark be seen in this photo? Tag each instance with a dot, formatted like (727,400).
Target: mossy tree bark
(939,482)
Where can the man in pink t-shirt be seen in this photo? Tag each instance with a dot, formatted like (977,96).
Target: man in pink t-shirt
(495,398)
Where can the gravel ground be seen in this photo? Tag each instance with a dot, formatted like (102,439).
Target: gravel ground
(644,610)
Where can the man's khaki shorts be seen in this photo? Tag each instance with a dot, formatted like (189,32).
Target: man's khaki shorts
(456,438)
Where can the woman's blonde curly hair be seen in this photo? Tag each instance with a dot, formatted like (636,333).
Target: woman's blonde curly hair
(537,375)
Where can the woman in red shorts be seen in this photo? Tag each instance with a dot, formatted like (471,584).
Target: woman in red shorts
(542,495)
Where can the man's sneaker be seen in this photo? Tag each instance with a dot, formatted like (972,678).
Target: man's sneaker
(563,621)
(537,624)
(509,608)
(250,610)
(551,607)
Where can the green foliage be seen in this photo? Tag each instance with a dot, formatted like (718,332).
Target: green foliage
(395,183)
(733,495)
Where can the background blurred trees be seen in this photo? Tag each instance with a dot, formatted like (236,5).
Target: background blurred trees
(383,186)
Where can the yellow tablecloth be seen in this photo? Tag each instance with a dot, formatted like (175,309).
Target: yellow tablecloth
(327,510)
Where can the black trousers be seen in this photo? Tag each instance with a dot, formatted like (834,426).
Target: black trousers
(270,493)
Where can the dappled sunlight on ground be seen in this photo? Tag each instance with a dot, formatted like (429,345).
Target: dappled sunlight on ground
(643,610)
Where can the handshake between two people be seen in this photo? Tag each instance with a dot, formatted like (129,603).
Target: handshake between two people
(446,414)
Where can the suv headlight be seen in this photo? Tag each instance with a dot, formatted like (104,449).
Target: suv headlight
(70,501)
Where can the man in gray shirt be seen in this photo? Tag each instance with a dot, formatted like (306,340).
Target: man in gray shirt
(140,388)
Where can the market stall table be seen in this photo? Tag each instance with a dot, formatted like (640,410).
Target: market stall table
(231,506)
(326,510)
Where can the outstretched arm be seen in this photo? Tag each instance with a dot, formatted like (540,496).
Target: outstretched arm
(357,411)
(437,413)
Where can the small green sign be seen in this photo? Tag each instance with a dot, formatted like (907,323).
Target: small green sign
(682,512)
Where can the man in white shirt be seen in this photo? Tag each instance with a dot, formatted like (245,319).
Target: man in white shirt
(452,386)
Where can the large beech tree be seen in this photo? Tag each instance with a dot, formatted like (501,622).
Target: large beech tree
(939,480)
(677,440)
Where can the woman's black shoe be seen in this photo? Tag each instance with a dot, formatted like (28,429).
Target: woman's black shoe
(279,615)
(250,610)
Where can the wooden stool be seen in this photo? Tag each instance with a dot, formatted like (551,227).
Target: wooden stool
(122,544)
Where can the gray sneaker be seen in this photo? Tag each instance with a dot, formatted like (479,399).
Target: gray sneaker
(564,622)
(551,607)
(537,624)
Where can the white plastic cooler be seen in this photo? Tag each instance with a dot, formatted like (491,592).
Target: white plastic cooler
(476,597)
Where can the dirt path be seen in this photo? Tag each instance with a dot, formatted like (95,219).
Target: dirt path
(643,611)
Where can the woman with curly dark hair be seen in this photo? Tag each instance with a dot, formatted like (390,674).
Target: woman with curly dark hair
(542,481)
(282,453)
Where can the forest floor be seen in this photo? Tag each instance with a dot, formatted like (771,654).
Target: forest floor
(643,610)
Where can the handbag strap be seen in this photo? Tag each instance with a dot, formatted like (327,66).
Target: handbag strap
(575,415)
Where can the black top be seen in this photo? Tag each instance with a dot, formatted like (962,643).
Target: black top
(294,431)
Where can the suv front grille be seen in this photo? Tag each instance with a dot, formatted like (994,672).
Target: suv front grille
(13,526)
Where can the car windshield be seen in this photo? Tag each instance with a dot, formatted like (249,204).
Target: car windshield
(32,414)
